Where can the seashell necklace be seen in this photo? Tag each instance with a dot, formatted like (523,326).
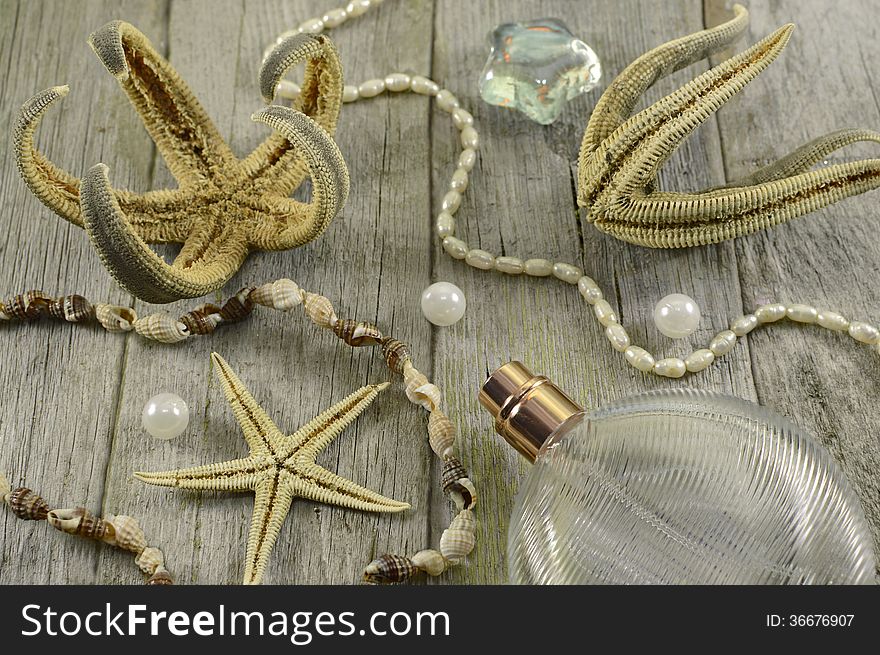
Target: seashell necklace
(668,57)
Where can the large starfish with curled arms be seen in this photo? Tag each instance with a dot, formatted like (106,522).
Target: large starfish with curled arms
(224,207)
(621,153)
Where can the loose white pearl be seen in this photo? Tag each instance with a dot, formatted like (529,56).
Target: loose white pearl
(371,88)
(443,303)
(639,358)
(397,82)
(165,416)
(671,367)
(676,315)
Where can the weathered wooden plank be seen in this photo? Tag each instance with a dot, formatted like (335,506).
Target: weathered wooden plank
(60,384)
(294,369)
(825,80)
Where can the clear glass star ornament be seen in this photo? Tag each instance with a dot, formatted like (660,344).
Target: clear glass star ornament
(536,67)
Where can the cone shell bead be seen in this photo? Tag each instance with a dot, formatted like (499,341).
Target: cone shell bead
(356,333)
(202,320)
(396,354)
(115,319)
(27,306)
(389,569)
(319,309)
(73,309)
(453,471)
(161,327)
(431,562)
(162,576)
(128,534)
(80,521)
(149,560)
(238,306)
(457,541)
(441,434)
(282,295)
(27,505)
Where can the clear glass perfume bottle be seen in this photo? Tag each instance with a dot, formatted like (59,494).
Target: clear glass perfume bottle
(672,487)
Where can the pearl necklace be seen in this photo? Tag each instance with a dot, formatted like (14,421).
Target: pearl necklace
(636,356)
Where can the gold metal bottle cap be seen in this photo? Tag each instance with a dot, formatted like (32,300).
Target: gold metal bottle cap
(527,409)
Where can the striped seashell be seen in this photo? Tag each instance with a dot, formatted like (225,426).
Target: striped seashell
(458,540)
(149,560)
(453,471)
(27,505)
(281,294)
(161,576)
(319,309)
(431,562)
(420,391)
(73,309)
(114,318)
(356,333)
(127,534)
(238,306)
(389,569)
(202,320)
(161,327)
(441,434)
(27,306)
(79,521)
(463,493)
(396,354)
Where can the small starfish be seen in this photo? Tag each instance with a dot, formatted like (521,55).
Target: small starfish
(621,154)
(279,468)
(224,207)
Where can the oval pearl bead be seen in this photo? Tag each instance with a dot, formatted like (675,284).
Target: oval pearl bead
(371,88)
(639,358)
(445,225)
(770,313)
(480,259)
(350,93)
(335,17)
(567,272)
(617,336)
(864,333)
(744,324)
(723,342)
(357,7)
(459,180)
(312,26)
(538,267)
(676,315)
(165,416)
(451,202)
(467,159)
(470,138)
(397,82)
(590,290)
(699,360)
(462,118)
(423,86)
(509,265)
(456,248)
(803,313)
(443,303)
(604,313)
(832,321)
(446,101)
(671,367)
(288,89)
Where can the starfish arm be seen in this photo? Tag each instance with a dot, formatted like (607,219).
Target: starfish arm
(317,483)
(234,475)
(273,497)
(56,188)
(260,432)
(330,182)
(277,165)
(161,216)
(184,134)
(140,270)
(746,209)
(807,156)
(315,435)
(617,102)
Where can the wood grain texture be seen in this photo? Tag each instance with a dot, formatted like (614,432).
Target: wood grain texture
(73,396)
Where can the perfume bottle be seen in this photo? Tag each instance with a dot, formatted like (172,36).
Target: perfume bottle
(672,487)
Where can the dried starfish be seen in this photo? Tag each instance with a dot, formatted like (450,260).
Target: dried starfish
(621,154)
(279,468)
(224,207)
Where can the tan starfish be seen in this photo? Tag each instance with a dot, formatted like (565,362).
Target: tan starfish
(621,154)
(224,207)
(279,468)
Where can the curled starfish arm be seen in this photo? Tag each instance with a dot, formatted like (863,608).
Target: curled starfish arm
(258,428)
(314,436)
(184,134)
(318,484)
(134,265)
(277,164)
(161,216)
(55,187)
(617,102)
(302,222)
(234,475)
(272,501)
